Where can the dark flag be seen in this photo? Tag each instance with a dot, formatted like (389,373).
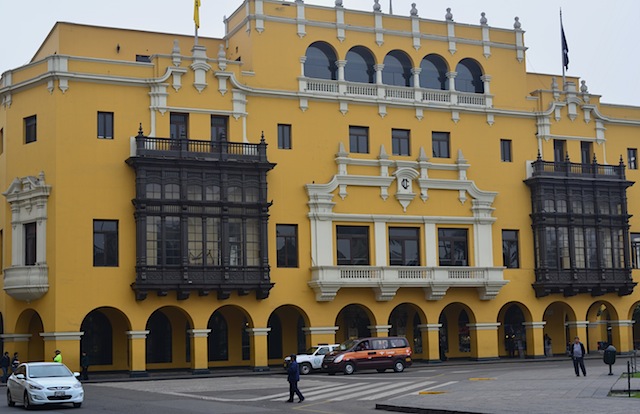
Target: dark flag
(565,47)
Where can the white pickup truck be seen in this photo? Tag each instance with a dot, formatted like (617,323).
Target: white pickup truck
(312,358)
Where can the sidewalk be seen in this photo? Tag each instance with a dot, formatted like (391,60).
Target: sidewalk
(543,390)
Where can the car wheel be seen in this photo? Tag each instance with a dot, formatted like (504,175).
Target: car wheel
(77,405)
(381,370)
(26,402)
(10,401)
(398,366)
(349,368)
(305,368)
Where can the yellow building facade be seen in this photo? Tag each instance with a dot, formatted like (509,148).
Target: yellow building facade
(318,174)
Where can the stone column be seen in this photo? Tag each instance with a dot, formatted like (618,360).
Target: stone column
(535,339)
(259,356)
(69,345)
(452,87)
(623,335)
(484,341)
(199,351)
(137,353)
(321,335)
(431,342)
(378,68)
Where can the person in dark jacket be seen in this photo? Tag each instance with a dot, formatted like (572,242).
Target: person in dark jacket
(293,376)
(577,354)
(84,364)
(14,362)
(5,361)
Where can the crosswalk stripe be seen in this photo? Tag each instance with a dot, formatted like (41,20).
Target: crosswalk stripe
(384,386)
(398,390)
(312,394)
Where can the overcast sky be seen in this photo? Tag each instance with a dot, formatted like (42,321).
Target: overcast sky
(601,35)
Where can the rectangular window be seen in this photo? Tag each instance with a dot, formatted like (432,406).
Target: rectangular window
(404,246)
(400,142)
(105,243)
(30,244)
(287,245)
(235,242)
(1,141)
(510,251)
(359,140)
(453,247)
(559,150)
(586,152)
(505,150)
(219,128)
(440,144)
(284,136)
(635,250)
(632,158)
(105,125)
(353,245)
(179,125)
(30,124)
(143,58)
(252,236)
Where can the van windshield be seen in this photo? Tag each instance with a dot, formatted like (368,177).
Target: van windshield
(348,344)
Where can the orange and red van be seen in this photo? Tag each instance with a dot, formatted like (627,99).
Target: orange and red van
(380,353)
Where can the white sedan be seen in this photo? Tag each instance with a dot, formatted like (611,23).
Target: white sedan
(38,383)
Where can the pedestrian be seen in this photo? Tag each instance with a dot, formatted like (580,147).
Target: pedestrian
(14,362)
(84,364)
(293,376)
(577,354)
(5,361)
(547,345)
(58,357)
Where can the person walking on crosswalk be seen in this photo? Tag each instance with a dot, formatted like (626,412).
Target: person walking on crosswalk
(293,376)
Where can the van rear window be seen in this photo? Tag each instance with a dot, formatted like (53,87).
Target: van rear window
(398,343)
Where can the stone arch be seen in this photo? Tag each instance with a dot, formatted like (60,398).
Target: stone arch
(360,65)
(291,337)
(30,323)
(354,321)
(600,331)
(168,343)
(321,61)
(634,315)
(513,335)
(557,317)
(228,343)
(456,339)
(469,76)
(397,69)
(433,73)
(104,338)
(407,320)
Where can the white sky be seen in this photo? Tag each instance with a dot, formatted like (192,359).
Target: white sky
(600,34)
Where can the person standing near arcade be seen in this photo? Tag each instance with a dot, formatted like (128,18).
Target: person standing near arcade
(577,354)
(293,376)
(58,357)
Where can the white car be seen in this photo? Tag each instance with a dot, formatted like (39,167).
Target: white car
(39,383)
(312,359)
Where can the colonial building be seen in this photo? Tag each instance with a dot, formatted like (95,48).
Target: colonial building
(319,173)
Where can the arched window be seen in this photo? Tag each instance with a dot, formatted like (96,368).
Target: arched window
(218,342)
(97,340)
(321,62)
(274,340)
(468,77)
(159,338)
(359,66)
(434,73)
(397,69)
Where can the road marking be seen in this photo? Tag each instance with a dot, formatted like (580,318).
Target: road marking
(383,387)
(398,391)
(315,394)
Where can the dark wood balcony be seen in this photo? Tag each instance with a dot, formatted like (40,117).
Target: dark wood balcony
(566,168)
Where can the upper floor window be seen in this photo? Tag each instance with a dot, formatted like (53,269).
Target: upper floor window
(321,61)
(219,128)
(353,245)
(179,125)
(284,136)
(1,140)
(632,158)
(440,144)
(30,124)
(510,251)
(433,73)
(287,245)
(469,77)
(143,58)
(453,247)
(505,150)
(397,69)
(404,246)
(400,141)
(635,250)
(559,150)
(105,125)
(30,243)
(586,152)
(360,65)
(105,242)
(359,139)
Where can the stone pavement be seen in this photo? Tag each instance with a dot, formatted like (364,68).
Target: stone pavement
(549,389)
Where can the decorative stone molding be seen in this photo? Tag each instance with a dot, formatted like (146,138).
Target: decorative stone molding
(200,67)
(15,337)
(379,329)
(258,331)
(137,334)
(321,330)
(61,336)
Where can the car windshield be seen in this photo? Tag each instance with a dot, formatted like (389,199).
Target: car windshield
(348,344)
(47,371)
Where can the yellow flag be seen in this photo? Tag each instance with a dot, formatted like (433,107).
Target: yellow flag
(196,13)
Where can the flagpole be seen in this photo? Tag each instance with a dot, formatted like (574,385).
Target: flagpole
(561,49)
(196,18)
